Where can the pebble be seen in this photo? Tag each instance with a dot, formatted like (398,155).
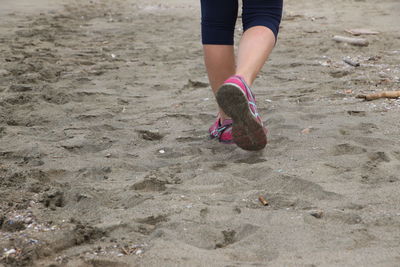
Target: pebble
(317,214)
(33,241)
(3,73)
(9,252)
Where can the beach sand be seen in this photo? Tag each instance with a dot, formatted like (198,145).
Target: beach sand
(105,158)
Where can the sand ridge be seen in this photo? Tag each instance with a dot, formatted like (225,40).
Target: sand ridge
(105,161)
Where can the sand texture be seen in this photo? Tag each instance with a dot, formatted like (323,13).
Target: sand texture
(105,160)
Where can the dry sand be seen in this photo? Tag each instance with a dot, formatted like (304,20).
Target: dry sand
(104,157)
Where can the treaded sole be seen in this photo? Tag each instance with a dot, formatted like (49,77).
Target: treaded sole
(247,133)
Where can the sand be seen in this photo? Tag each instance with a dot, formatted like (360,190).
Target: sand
(104,156)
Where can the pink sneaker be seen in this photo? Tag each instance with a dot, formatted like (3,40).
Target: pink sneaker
(238,102)
(222,131)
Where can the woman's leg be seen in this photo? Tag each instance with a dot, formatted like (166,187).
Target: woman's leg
(261,19)
(218,26)
(220,65)
(254,49)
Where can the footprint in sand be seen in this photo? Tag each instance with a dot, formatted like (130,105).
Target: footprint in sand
(367,128)
(211,237)
(347,149)
(150,135)
(291,185)
(21,99)
(53,199)
(57,98)
(334,217)
(151,184)
(26,157)
(378,142)
(83,144)
(374,171)
(364,128)
(94,173)
(378,157)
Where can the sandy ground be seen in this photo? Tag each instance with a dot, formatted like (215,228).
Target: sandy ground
(104,156)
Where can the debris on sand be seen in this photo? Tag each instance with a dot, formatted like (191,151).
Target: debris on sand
(358,32)
(196,84)
(151,135)
(351,62)
(351,40)
(384,94)
(263,200)
(317,213)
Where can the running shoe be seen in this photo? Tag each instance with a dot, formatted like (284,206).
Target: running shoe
(222,131)
(238,102)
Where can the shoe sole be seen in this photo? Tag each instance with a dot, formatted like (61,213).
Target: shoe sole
(247,132)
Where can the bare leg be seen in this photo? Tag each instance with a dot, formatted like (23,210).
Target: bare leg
(220,64)
(254,49)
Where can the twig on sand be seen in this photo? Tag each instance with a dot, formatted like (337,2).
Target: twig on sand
(351,40)
(125,251)
(357,32)
(384,94)
(351,62)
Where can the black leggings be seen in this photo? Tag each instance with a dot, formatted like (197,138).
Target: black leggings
(218,18)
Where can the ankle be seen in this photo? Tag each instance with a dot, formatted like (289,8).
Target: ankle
(247,78)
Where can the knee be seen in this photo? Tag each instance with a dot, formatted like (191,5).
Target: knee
(262,13)
(218,19)
(218,33)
